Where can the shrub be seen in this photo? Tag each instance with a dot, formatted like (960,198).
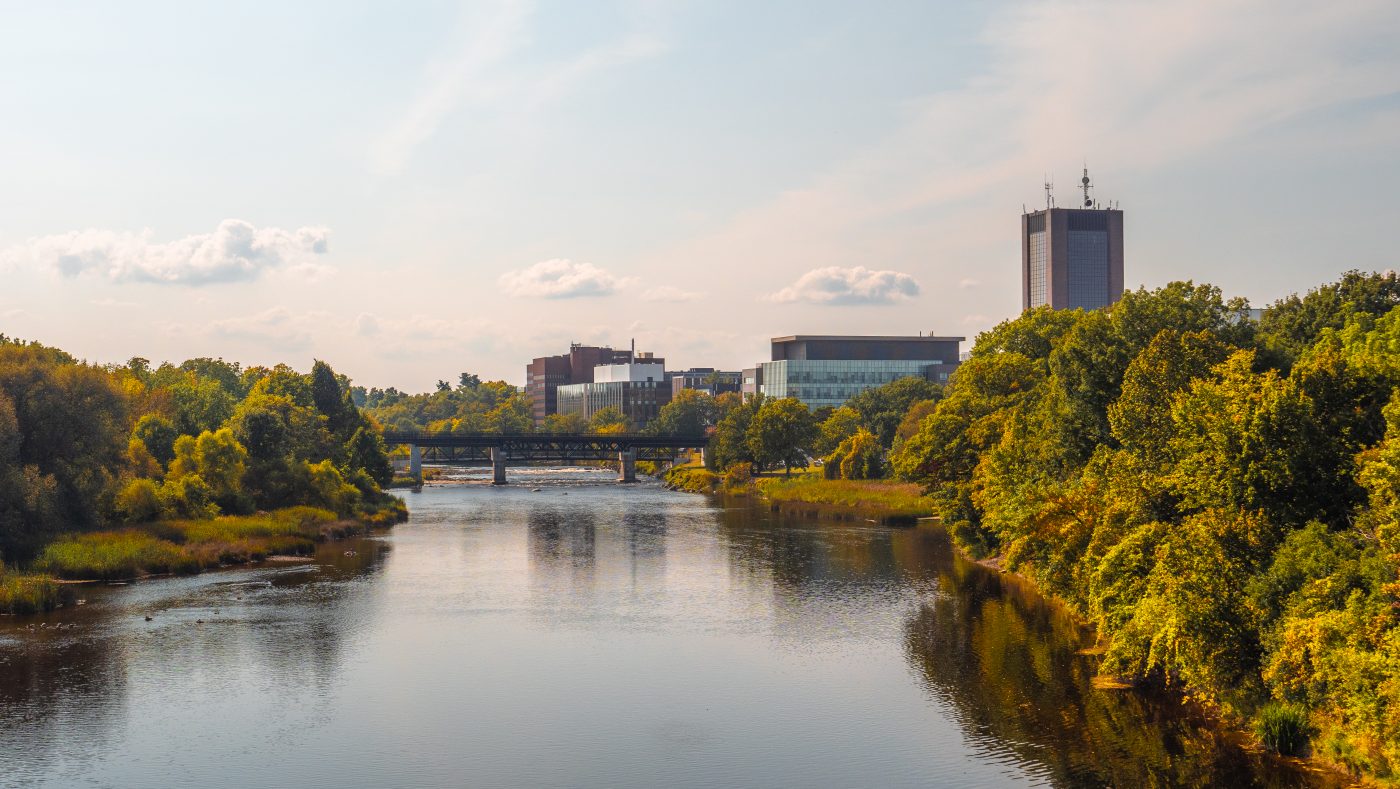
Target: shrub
(113,554)
(1283,728)
(22,593)
(139,501)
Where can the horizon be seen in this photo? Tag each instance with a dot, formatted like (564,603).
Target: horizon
(413,194)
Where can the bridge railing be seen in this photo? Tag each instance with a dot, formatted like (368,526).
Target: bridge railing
(446,438)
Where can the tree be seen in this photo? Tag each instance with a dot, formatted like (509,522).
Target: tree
(882,408)
(689,413)
(158,434)
(468,381)
(609,420)
(840,425)
(328,398)
(365,452)
(729,445)
(781,432)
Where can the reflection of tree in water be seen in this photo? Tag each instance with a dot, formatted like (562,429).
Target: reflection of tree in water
(1004,663)
(802,553)
(63,692)
(303,635)
(53,687)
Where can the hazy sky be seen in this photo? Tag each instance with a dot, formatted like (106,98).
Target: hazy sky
(412,190)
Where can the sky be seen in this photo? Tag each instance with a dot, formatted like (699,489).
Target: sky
(413,190)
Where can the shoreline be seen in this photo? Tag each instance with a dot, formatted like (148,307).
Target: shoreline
(996,563)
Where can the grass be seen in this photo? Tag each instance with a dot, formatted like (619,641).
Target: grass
(188,546)
(1283,728)
(28,593)
(811,494)
(692,479)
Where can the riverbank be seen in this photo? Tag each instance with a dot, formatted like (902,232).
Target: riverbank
(180,547)
(808,494)
(893,503)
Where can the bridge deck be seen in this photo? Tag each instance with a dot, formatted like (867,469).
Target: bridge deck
(536,443)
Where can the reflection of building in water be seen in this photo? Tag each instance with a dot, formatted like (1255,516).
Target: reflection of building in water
(563,545)
(645,533)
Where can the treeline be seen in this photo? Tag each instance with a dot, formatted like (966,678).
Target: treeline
(1220,498)
(86,447)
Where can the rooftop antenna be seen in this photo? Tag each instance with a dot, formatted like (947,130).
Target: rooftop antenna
(1049,193)
(1084,184)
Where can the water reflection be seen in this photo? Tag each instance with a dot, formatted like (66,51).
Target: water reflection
(71,679)
(591,635)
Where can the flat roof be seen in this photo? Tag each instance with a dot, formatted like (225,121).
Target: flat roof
(878,338)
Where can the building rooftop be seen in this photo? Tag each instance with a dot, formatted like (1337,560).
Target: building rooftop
(864,338)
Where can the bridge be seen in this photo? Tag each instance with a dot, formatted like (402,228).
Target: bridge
(501,448)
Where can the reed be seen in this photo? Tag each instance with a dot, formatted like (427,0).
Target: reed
(28,593)
(882,499)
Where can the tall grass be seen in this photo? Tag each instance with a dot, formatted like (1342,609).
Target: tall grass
(1283,728)
(26,593)
(878,498)
(188,546)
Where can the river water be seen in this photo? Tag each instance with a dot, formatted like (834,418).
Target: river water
(569,631)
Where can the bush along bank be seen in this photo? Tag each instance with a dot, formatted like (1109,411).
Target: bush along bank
(122,470)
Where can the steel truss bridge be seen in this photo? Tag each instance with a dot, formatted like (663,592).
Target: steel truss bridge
(499,449)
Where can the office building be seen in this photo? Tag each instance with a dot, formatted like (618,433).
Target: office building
(705,379)
(1072,258)
(544,376)
(638,389)
(828,371)
(751,381)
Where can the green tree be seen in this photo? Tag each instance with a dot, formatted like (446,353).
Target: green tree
(729,444)
(158,434)
(609,420)
(882,408)
(689,413)
(365,452)
(782,431)
(841,424)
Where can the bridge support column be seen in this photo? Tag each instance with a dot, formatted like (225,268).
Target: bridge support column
(415,462)
(627,465)
(705,457)
(498,466)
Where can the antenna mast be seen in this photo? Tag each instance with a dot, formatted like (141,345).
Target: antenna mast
(1049,196)
(1084,184)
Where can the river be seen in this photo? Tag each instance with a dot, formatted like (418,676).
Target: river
(567,631)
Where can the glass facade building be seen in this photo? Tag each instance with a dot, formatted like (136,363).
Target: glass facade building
(833,382)
(639,401)
(827,371)
(1071,258)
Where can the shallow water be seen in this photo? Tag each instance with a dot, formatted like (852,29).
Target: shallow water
(589,634)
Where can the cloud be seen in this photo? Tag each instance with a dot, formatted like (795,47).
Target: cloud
(236,251)
(110,302)
(491,71)
(1145,88)
(848,286)
(968,282)
(669,293)
(276,326)
(561,278)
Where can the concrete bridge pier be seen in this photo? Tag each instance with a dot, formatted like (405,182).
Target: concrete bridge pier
(498,466)
(415,462)
(705,457)
(627,465)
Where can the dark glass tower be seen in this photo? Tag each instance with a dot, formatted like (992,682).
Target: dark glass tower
(1072,258)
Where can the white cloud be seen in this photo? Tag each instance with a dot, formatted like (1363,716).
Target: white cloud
(561,278)
(849,286)
(670,293)
(487,72)
(235,251)
(968,282)
(275,327)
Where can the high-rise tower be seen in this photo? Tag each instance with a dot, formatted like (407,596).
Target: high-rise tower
(1072,258)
